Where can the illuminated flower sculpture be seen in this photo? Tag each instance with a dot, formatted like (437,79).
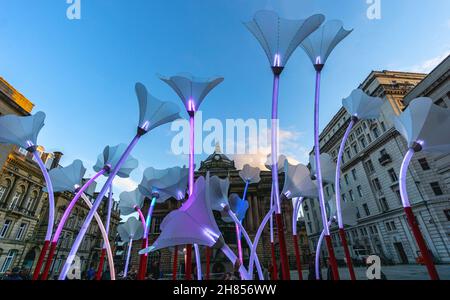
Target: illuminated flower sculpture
(23,132)
(153,113)
(70,179)
(193,223)
(318,46)
(297,185)
(419,124)
(159,186)
(279,38)
(129,231)
(192,91)
(360,106)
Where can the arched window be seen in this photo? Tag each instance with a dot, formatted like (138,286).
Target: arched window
(30,201)
(16,198)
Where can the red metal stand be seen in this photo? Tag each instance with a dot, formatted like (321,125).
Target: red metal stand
(208,262)
(332,258)
(175,264)
(48,263)
(274,274)
(188,263)
(421,243)
(40,262)
(297,258)
(283,252)
(143,262)
(99,274)
(347,254)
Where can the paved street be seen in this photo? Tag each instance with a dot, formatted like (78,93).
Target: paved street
(401,272)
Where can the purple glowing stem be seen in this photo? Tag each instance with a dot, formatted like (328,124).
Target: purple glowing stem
(198,262)
(403,174)
(191,154)
(96,204)
(276,84)
(319,246)
(271,217)
(141,216)
(108,216)
(257,237)
(148,221)
(297,206)
(317,157)
(240,228)
(338,173)
(233,258)
(72,204)
(239,244)
(245,190)
(51,196)
(127,262)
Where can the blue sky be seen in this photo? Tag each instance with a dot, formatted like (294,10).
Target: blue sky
(82,73)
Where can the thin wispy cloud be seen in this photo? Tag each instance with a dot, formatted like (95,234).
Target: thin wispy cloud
(428,65)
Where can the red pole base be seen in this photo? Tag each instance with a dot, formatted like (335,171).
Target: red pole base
(40,262)
(297,258)
(48,263)
(188,263)
(99,274)
(421,243)
(347,254)
(208,261)
(333,262)
(175,264)
(274,274)
(283,252)
(143,262)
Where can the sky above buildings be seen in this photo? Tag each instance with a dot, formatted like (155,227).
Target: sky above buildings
(82,72)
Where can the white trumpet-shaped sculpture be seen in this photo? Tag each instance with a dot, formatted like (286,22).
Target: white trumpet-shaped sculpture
(218,192)
(238,206)
(280,165)
(67,178)
(319,45)
(111,156)
(280,37)
(328,167)
(21,131)
(129,231)
(250,174)
(152,111)
(129,201)
(298,182)
(362,106)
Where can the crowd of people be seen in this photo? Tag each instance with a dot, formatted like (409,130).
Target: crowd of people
(17,274)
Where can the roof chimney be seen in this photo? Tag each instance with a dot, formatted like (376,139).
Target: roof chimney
(56,159)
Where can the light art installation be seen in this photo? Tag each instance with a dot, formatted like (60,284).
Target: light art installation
(192,91)
(23,132)
(297,184)
(279,38)
(193,223)
(153,113)
(159,186)
(360,106)
(105,162)
(328,168)
(418,124)
(318,46)
(129,231)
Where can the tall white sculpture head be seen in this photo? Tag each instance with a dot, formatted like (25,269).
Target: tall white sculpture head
(250,174)
(298,182)
(111,156)
(129,201)
(67,178)
(424,125)
(328,167)
(21,131)
(362,106)
(130,230)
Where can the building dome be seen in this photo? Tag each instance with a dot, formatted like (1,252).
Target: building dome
(217,161)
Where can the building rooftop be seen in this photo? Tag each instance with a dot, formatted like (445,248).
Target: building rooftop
(20,100)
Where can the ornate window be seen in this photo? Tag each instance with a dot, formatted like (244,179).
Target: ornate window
(8,261)
(16,199)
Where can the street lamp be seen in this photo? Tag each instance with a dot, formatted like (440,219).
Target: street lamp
(360,106)
(318,46)
(420,125)
(128,232)
(153,113)
(192,91)
(279,38)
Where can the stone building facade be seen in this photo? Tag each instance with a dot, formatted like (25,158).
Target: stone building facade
(371,164)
